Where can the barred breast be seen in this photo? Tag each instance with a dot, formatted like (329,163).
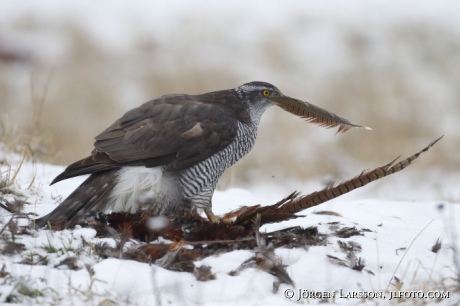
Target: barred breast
(199,182)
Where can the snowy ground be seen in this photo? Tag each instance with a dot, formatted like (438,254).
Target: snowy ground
(396,242)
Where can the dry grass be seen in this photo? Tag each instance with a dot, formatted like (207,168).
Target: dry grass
(408,96)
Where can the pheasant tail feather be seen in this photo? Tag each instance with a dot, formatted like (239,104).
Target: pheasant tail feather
(315,114)
(329,193)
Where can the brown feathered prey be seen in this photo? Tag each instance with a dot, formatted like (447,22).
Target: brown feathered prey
(167,155)
(242,223)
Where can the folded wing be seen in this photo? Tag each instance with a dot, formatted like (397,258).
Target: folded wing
(176,131)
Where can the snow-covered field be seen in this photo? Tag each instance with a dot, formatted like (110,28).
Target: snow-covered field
(394,241)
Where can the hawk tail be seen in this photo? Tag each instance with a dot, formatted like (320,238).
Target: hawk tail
(90,193)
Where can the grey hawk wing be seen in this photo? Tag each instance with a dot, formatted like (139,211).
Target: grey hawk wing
(175,131)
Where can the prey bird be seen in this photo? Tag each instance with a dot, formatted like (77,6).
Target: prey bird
(167,155)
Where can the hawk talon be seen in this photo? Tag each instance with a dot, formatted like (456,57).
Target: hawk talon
(211,217)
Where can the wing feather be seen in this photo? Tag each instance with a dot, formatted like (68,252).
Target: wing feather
(160,133)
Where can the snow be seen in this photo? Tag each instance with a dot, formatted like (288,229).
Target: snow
(393,229)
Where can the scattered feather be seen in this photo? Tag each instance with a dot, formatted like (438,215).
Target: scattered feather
(204,273)
(349,246)
(437,246)
(327,212)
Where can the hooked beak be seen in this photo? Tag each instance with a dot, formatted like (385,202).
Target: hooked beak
(315,114)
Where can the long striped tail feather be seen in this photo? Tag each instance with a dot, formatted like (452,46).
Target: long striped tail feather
(288,207)
(314,114)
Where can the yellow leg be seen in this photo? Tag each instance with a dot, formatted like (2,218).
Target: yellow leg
(210,215)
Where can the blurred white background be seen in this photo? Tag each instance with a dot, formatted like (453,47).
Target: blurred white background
(69,69)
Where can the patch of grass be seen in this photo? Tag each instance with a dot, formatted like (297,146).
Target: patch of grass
(8,175)
(23,290)
(49,247)
(26,290)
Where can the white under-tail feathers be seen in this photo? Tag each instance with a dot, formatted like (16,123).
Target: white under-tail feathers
(134,186)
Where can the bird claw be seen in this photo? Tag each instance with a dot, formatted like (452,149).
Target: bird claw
(211,217)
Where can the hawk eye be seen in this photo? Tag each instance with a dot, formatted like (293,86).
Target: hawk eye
(266,93)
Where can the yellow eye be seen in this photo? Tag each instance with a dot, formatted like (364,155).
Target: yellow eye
(266,92)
